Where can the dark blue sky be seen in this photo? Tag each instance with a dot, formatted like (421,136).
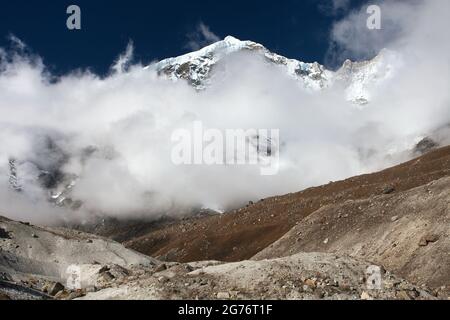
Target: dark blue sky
(296,29)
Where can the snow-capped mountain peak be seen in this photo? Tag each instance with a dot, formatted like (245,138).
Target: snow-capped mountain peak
(196,67)
(361,79)
(358,78)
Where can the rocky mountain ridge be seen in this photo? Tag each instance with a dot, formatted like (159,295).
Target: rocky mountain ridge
(358,78)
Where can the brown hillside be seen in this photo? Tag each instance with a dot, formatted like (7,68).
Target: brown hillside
(242,233)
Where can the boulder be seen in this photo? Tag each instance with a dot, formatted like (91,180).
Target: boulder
(55,289)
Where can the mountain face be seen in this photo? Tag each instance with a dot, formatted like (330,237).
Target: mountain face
(197,67)
(359,79)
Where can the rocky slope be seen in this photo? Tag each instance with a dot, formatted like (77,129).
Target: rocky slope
(397,218)
(320,243)
(242,233)
(34,259)
(39,263)
(301,276)
(407,233)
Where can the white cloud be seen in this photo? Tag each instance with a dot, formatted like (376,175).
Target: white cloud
(124,60)
(201,37)
(350,37)
(17,43)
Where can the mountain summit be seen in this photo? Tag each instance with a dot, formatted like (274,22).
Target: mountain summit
(358,78)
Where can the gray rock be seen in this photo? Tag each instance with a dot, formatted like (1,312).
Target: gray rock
(161,267)
(223,295)
(4,296)
(75,295)
(389,190)
(4,234)
(429,238)
(425,145)
(55,288)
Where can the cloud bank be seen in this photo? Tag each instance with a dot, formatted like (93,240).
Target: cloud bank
(114,133)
